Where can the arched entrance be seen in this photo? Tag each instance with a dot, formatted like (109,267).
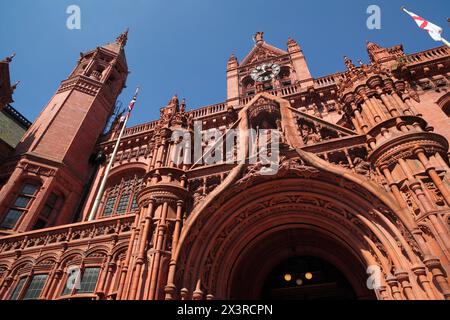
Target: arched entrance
(297,262)
(255,223)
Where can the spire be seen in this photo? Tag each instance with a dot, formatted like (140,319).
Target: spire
(372,46)
(349,63)
(292,45)
(232,58)
(14,86)
(173,102)
(376,53)
(183,105)
(232,62)
(121,40)
(10,58)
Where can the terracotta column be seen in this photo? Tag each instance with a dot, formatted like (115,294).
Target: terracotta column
(49,282)
(388,104)
(402,107)
(393,284)
(420,272)
(148,213)
(435,267)
(410,106)
(359,120)
(170,287)
(403,278)
(103,275)
(372,116)
(415,186)
(126,263)
(420,153)
(198,293)
(160,235)
(7,281)
(379,107)
(154,153)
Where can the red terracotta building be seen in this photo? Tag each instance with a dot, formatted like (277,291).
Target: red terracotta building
(363,185)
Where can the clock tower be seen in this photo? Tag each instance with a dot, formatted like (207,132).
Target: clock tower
(53,161)
(266,68)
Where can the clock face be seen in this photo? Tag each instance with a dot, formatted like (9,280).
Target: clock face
(265,72)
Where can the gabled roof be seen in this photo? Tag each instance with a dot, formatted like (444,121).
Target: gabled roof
(262,51)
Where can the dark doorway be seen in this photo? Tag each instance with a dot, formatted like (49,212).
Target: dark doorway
(307,278)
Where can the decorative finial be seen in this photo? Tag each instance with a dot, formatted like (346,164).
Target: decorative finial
(9,59)
(174,100)
(183,105)
(14,86)
(349,63)
(292,45)
(372,45)
(122,38)
(258,37)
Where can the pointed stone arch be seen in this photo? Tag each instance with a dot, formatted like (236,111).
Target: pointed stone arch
(305,196)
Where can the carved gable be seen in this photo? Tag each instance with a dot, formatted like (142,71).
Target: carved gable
(262,52)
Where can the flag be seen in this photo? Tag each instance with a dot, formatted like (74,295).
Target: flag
(433,30)
(132,102)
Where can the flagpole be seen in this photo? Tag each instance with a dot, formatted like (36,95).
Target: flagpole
(445,42)
(99,196)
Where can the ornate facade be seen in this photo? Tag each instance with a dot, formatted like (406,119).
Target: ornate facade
(363,184)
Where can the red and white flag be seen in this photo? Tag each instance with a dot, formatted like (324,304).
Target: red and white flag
(433,30)
(132,102)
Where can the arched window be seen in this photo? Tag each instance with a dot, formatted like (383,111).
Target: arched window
(120,197)
(21,204)
(29,288)
(81,280)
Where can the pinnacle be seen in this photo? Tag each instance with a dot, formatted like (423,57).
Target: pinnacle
(122,38)
(9,58)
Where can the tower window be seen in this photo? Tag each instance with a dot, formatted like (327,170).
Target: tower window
(52,204)
(11,218)
(21,204)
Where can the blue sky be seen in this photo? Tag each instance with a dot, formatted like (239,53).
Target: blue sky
(183,46)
